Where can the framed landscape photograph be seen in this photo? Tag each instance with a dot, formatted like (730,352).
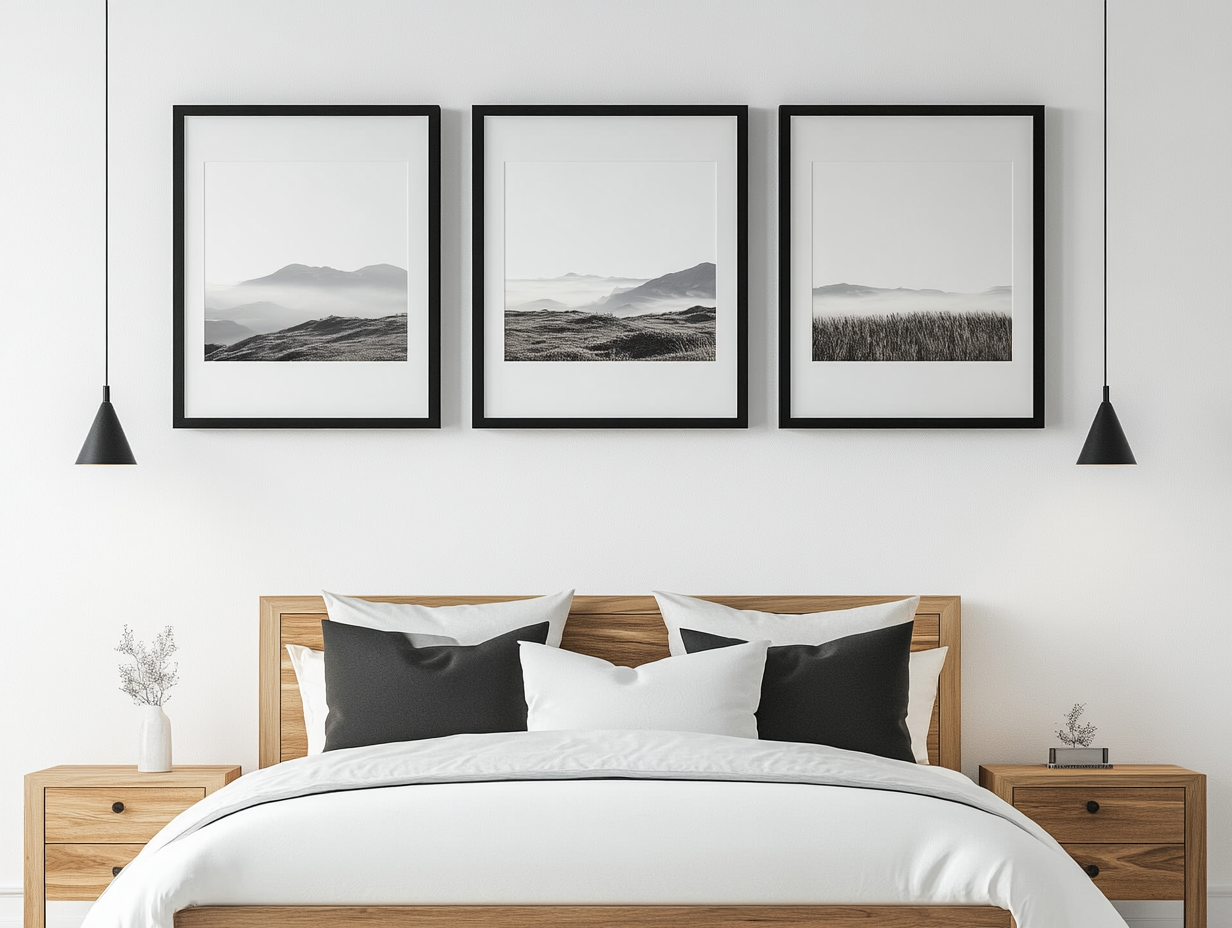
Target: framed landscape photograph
(911,267)
(609,263)
(307,267)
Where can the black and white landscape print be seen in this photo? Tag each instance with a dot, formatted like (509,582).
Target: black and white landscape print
(912,261)
(610,261)
(305,261)
(302,313)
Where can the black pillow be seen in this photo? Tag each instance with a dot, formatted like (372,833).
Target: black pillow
(848,693)
(380,688)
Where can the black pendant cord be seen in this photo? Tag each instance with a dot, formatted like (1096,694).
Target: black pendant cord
(106,199)
(1105,199)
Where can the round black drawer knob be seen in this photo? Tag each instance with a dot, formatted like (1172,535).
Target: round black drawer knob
(1092,870)
(117,807)
(115,871)
(1092,807)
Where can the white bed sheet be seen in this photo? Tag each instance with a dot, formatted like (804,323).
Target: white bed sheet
(732,837)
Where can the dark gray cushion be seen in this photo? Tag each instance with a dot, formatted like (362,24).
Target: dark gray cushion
(381,688)
(848,693)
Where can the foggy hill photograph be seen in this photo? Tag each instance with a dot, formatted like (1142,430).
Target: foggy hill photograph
(305,261)
(610,261)
(303,313)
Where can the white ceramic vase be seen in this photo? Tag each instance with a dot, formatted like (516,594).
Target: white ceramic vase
(154,748)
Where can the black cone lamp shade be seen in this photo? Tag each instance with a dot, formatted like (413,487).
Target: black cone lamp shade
(106,442)
(1106,442)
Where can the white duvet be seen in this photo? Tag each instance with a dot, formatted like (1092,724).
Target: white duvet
(615,817)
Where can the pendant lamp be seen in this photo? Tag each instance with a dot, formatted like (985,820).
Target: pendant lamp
(1106,442)
(106,444)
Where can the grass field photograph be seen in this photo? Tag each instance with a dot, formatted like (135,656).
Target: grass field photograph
(854,323)
(912,261)
(915,337)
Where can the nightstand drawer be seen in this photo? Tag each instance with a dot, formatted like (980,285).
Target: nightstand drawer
(1134,871)
(78,872)
(1125,815)
(113,816)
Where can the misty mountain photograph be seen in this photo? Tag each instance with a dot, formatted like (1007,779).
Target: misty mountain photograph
(566,318)
(305,261)
(912,261)
(650,225)
(302,313)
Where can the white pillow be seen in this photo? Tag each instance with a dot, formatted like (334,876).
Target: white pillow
(924,669)
(462,624)
(814,628)
(309,668)
(811,628)
(714,691)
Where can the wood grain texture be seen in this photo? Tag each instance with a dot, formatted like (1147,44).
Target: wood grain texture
(75,792)
(269,673)
(1134,871)
(1157,784)
(208,777)
(86,816)
(564,916)
(79,872)
(1127,815)
(949,685)
(1195,850)
(34,875)
(625,630)
(1003,778)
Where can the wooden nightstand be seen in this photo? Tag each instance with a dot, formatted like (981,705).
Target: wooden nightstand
(83,824)
(1139,830)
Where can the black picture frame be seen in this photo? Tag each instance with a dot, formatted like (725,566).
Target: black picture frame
(840,393)
(584,127)
(410,398)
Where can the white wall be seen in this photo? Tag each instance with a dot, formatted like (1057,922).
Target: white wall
(1099,585)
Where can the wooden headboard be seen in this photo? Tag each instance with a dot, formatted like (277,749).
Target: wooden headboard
(625,630)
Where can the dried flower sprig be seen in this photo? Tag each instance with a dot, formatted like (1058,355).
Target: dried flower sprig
(1074,734)
(148,679)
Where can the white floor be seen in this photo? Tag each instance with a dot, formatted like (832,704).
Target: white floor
(59,914)
(1161,914)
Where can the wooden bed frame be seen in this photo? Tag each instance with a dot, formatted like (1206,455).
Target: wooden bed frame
(624,630)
